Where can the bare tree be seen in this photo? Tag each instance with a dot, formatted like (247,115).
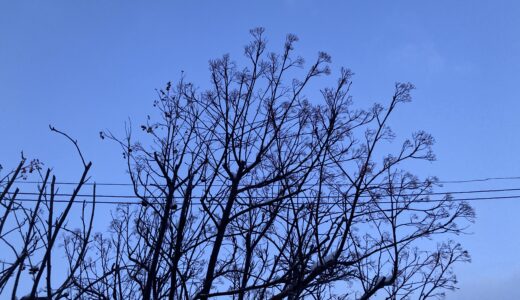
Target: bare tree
(254,189)
(250,190)
(32,228)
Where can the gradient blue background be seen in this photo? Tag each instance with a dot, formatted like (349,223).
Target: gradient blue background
(85,66)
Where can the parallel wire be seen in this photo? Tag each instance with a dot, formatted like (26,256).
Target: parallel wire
(262,197)
(267,200)
(130,184)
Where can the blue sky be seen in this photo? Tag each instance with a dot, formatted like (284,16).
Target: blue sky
(85,66)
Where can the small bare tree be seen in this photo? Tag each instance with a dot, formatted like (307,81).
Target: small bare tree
(33,228)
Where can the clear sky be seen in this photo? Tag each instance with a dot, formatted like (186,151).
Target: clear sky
(85,66)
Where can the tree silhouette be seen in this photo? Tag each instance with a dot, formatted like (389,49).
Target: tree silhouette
(253,189)
(32,232)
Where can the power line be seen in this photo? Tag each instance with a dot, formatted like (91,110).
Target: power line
(302,197)
(263,197)
(130,184)
(422,201)
(481,179)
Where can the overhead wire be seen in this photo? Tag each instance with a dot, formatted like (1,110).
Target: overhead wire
(264,203)
(131,184)
(263,197)
(327,198)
